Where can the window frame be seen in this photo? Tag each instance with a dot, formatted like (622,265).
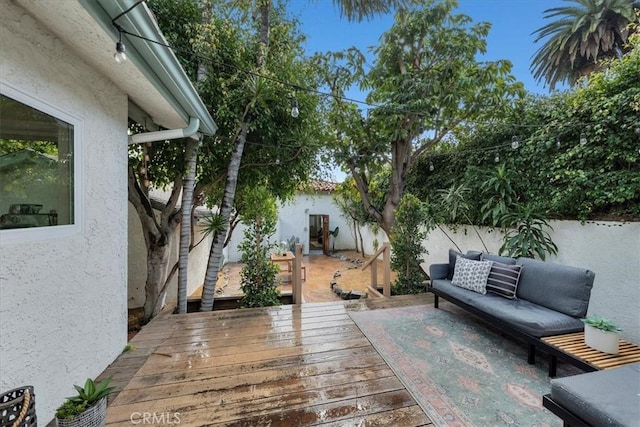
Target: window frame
(20,235)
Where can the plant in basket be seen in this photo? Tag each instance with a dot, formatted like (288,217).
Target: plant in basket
(88,408)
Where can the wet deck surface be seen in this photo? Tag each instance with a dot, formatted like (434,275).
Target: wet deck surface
(282,366)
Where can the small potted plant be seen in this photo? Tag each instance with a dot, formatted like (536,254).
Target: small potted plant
(88,408)
(601,334)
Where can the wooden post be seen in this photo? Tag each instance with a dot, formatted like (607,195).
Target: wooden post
(297,275)
(386,270)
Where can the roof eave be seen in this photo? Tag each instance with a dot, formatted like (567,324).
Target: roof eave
(157,62)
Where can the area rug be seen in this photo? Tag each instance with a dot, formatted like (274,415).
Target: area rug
(460,371)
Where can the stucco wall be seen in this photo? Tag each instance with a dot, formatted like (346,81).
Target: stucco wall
(137,261)
(610,249)
(294,221)
(63,298)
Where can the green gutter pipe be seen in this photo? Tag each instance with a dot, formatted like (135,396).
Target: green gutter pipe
(162,135)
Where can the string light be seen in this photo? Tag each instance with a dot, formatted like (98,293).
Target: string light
(583,139)
(295,112)
(120,56)
(558,144)
(497,157)
(514,142)
(431,167)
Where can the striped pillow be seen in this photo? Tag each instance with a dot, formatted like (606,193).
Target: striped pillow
(503,279)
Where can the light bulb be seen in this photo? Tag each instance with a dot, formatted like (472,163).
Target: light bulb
(295,112)
(583,139)
(431,167)
(278,159)
(496,158)
(558,144)
(514,142)
(120,56)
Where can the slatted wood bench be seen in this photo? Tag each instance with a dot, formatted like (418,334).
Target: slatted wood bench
(572,348)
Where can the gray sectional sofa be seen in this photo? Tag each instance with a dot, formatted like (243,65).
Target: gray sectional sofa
(548,299)
(608,398)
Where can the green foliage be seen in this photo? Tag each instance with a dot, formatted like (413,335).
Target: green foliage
(426,81)
(551,171)
(601,323)
(410,230)
(258,275)
(526,233)
(88,395)
(580,37)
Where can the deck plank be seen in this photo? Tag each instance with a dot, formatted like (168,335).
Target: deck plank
(282,366)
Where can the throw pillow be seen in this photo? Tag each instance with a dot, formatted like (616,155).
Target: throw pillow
(503,279)
(471,274)
(497,258)
(452,260)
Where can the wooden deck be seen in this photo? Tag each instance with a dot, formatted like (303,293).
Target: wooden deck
(284,366)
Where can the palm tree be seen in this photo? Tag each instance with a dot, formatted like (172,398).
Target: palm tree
(351,9)
(580,37)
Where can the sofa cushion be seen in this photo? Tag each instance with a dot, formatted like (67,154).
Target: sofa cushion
(522,315)
(472,275)
(602,398)
(558,287)
(497,258)
(503,279)
(452,260)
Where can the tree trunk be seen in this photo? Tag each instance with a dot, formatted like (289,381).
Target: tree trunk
(191,154)
(215,255)
(157,263)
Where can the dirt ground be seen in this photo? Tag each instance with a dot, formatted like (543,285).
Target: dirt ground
(343,267)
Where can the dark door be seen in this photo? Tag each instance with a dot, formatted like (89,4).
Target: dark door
(325,234)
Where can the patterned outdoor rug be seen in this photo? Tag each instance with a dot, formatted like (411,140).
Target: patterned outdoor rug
(461,372)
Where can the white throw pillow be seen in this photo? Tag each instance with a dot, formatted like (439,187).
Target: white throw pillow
(472,275)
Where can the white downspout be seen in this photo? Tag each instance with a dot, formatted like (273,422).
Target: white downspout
(190,131)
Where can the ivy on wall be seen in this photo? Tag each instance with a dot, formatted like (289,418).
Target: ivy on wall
(577,156)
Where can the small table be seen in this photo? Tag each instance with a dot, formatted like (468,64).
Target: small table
(287,258)
(573,348)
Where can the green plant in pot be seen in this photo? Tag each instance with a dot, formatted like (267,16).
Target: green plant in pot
(601,334)
(88,407)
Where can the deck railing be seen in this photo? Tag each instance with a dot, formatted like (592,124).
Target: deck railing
(385,250)
(296,275)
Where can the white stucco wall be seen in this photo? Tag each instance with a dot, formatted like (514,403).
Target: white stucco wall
(610,249)
(63,297)
(294,221)
(137,262)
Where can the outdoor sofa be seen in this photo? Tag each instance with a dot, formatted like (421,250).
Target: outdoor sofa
(524,297)
(603,398)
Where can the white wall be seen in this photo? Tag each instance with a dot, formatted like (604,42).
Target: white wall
(63,298)
(294,221)
(610,249)
(137,261)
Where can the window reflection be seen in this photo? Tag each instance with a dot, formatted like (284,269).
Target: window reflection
(36,167)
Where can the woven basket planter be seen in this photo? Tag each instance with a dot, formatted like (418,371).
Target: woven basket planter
(94,416)
(18,407)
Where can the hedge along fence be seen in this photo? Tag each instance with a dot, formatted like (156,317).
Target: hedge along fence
(578,154)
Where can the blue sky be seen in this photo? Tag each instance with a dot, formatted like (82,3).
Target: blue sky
(513,22)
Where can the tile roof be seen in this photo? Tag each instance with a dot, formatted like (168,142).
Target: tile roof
(326,186)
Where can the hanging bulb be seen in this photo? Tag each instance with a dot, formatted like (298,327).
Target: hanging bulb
(496,158)
(514,142)
(558,144)
(431,167)
(278,160)
(583,139)
(294,108)
(120,56)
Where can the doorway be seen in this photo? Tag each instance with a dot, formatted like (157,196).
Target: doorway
(319,234)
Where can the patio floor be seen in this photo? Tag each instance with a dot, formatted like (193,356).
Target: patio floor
(280,366)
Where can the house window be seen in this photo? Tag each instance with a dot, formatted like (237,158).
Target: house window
(36,167)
